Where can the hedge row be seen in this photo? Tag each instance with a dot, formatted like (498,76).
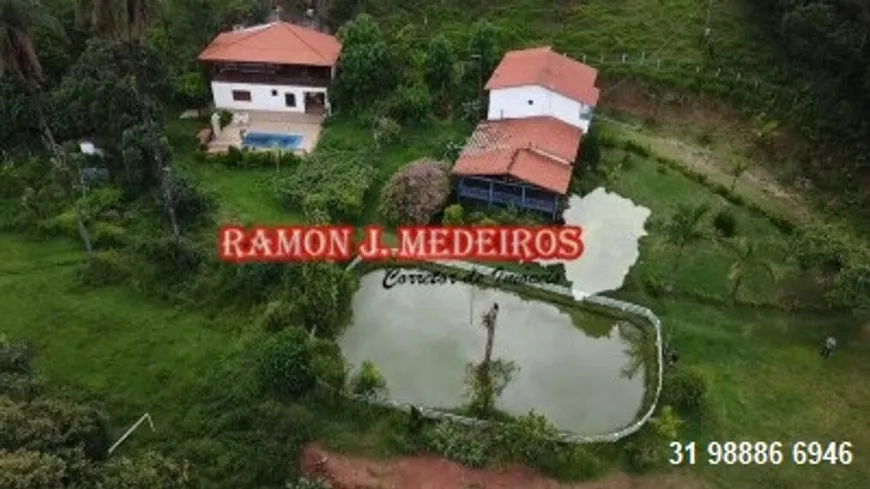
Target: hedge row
(246,158)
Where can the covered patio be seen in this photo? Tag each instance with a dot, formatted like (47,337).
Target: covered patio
(502,192)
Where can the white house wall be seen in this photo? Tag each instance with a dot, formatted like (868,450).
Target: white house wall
(532,101)
(262,97)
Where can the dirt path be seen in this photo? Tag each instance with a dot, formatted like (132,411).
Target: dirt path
(430,472)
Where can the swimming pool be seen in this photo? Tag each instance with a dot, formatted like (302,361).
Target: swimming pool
(271,140)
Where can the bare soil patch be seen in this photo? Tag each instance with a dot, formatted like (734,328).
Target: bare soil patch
(431,472)
(679,118)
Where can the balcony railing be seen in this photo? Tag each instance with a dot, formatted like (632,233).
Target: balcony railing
(272,79)
(501,197)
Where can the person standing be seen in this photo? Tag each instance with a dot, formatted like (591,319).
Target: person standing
(829,346)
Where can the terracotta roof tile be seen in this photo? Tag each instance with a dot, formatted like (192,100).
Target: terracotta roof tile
(544,67)
(537,150)
(278,43)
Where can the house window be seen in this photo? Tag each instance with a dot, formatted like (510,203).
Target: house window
(531,102)
(290,99)
(274,93)
(241,96)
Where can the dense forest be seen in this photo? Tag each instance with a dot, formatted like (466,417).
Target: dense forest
(826,44)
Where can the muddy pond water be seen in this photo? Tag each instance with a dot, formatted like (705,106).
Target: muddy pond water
(578,369)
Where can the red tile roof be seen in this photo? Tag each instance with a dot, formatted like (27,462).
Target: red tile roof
(537,150)
(277,43)
(546,68)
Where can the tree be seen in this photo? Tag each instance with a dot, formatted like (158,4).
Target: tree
(325,297)
(146,159)
(18,18)
(121,19)
(368,381)
(739,166)
(747,259)
(683,229)
(488,379)
(365,73)
(589,153)
(484,53)
(440,68)
(285,366)
(415,193)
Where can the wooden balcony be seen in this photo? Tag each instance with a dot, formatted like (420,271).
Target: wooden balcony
(271,79)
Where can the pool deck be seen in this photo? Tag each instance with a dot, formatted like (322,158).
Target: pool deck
(306,125)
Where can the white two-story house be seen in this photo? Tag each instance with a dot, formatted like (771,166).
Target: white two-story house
(541,82)
(276,67)
(540,107)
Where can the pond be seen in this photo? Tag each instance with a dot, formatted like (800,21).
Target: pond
(581,371)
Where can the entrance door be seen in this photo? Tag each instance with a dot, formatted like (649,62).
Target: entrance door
(290,99)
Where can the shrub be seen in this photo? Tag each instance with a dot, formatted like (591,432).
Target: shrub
(15,358)
(725,223)
(285,365)
(454,215)
(279,315)
(329,365)
(341,180)
(233,158)
(457,442)
(636,148)
(104,268)
(685,389)
(368,381)
(303,483)
(225,117)
(386,130)
(416,193)
(411,104)
(647,448)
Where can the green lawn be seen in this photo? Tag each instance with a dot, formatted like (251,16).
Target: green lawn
(134,354)
(705,264)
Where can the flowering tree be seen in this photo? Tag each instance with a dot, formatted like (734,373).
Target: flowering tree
(416,193)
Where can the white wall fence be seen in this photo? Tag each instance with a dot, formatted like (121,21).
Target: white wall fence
(563,436)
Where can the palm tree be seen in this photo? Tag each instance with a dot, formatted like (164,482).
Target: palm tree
(18,19)
(684,229)
(746,258)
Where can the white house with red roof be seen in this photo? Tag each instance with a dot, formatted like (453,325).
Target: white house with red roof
(276,67)
(541,82)
(540,106)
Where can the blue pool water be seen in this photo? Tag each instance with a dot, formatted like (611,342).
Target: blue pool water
(271,140)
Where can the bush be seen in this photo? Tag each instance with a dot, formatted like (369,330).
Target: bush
(104,268)
(636,148)
(685,389)
(303,483)
(368,381)
(454,215)
(386,130)
(415,193)
(725,223)
(329,365)
(279,315)
(342,181)
(285,365)
(411,104)
(647,449)
(457,442)
(15,358)
(233,158)
(225,117)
